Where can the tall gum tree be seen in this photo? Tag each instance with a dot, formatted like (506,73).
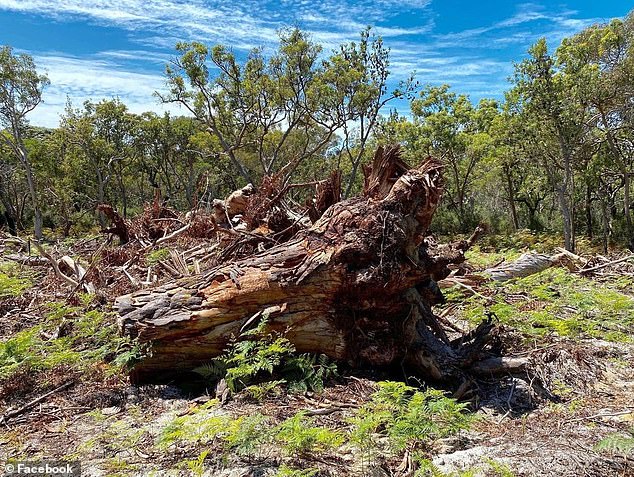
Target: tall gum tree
(266,113)
(20,92)
(598,61)
(547,94)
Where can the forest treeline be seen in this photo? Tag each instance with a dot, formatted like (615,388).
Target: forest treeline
(556,154)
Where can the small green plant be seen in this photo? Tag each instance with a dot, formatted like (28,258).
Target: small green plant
(308,372)
(285,471)
(118,467)
(258,355)
(492,468)
(246,436)
(407,417)
(118,436)
(259,391)
(200,426)
(499,469)
(197,465)
(617,444)
(299,436)
(426,468)
(157,255)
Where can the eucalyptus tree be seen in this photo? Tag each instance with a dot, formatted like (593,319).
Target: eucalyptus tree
(361,71)
(98,139)
(260,109)
(170,156)
(21,89)
(454,130)
(600,63)
(548,95)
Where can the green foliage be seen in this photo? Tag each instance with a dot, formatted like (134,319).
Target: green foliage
(409,418)
(298,436)
(426,468)
(308,372)
(202,425)
(617,444)
(18,351)
(13,282)
(157,255)
(257,355)
(245,435)
(499,469)
(557,301)
(251,358)
(259,391)
(492,468)
(117,437)
(245,361)
(70,336)
(197,465)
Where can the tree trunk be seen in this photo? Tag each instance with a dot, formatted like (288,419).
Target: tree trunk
(629,230)
(358,286)
(511,196)
(589,231)
(30,179)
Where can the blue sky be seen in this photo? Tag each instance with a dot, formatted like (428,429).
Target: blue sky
(94,49)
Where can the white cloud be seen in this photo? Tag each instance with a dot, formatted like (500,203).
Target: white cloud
(555,25)
(82,79)
(243,25)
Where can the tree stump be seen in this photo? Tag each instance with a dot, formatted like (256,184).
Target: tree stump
(358,286)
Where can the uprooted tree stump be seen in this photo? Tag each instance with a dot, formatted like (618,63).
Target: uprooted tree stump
(358,286)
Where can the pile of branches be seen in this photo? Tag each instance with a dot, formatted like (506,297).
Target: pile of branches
(355,280)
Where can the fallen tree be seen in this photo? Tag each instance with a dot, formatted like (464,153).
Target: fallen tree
(358,285)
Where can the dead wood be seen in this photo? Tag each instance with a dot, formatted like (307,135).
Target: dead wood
(119,226)
(358,285)
(31,260)
(605,265)
(16,412)
(61,275)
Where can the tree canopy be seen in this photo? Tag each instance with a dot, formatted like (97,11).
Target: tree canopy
(556,153)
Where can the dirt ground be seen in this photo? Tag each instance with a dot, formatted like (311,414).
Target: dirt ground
(115,433)
(548,423)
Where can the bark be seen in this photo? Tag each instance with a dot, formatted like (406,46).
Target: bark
(511,196)
(30,179)
(589,231)
(358,286)
(119,226)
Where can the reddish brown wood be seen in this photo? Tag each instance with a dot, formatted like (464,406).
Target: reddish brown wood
(357,286)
